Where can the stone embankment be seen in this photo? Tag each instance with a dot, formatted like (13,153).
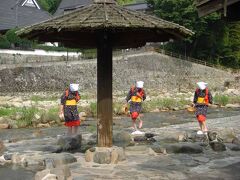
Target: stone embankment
(158,71)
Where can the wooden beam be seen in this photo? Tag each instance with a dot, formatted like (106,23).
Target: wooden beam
(104,90)
(206,7)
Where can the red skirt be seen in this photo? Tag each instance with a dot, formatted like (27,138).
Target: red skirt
(72,123)
(201,118)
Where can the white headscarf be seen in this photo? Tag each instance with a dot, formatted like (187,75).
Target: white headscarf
(74,87)
(202,85)
(139,84)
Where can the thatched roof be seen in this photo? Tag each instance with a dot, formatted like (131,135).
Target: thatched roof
(128,28)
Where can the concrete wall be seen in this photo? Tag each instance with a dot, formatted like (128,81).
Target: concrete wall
(156,70)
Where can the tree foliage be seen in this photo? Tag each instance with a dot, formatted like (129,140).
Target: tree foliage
(214,40)
(49,5)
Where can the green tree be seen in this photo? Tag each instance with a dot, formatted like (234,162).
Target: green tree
(49,5)
(211,41)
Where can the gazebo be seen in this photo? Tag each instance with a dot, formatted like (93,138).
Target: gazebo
(105,25)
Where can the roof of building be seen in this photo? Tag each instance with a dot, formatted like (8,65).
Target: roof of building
(20,13)
(71,5)
(137,6)
(228,7)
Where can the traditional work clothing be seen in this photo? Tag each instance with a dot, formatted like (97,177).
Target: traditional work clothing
(137,95)
(202,97)
(69,101)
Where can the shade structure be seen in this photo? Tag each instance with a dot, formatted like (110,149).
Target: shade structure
(104,25)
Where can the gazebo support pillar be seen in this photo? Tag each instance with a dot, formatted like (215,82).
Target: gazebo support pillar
(104,90)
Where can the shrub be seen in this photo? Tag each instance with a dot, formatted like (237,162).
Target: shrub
(4,43)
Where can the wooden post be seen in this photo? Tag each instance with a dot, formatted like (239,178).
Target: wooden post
(104,90)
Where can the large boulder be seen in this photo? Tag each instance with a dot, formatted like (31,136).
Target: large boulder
(104,155)
(68,143)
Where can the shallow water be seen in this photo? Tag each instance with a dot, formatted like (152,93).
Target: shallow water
(151,120)
(15,173)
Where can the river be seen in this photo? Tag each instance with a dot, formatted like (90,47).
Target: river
(151,120)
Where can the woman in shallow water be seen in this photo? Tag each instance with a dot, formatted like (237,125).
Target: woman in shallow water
(68,108)
(201,100)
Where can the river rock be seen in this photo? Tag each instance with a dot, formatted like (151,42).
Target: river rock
(60,159)
(226,134)
(140,138)
(212,136)
(236,141)
(4,126)
(149,135)
(82,116)
(45,175)
(68,143)
(232,105)
(34,161)
(41,125)
(217,146)
(59,173)
(104,155)
(189,148)
(171,136)
(233,147)
(158,149)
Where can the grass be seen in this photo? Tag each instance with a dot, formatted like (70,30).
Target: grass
(50,115)
(9,111)
(37,98)
(27,116)
(164,103)
(224,99)
(221,99)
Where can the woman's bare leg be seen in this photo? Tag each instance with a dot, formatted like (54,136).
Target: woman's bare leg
(75,130)
(69,131)
(140,124)
(204,126)
(134,124)
(200,125)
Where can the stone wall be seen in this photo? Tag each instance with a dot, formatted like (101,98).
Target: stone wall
(156,70)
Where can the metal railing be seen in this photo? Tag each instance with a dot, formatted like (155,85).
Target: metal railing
(191,59)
